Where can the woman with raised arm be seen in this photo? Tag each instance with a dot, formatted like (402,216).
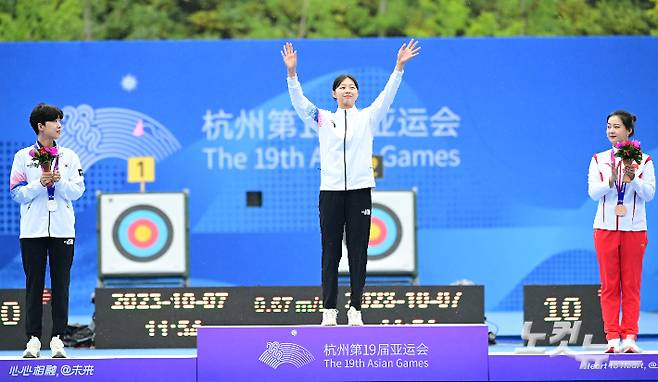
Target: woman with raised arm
(347,177)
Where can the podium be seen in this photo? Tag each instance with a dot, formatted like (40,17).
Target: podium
(342,353)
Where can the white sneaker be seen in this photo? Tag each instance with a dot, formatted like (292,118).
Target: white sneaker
(628,345)
(32,348)
(354,317)
(329,317)
(613,346)
(57,348)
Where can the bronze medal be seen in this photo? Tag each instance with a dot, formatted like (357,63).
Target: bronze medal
(620,210)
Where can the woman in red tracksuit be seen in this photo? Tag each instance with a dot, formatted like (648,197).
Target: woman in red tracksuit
(620,232)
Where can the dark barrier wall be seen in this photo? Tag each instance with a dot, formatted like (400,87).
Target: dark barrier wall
(494,134)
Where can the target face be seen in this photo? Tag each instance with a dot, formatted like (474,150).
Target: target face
(142,233)
(385,232)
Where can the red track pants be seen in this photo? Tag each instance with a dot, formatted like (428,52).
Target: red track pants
(620,256)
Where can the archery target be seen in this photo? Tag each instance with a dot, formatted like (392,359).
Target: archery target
(392,244)
(143,234)
(385,232)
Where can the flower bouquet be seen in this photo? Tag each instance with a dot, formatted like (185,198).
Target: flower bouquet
(629,152)
(44,157)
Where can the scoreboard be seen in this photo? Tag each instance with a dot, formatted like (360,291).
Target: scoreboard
(576,305)
(12,319)
(169,317)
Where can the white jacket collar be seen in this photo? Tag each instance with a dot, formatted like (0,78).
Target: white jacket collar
(350,111)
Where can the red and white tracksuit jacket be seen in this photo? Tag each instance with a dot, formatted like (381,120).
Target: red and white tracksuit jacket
(620,241)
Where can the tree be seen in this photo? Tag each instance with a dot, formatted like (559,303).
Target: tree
(652,16)
(577,17)
(137,19)
(22,20)
(41,20)
(437,18)
(624,17)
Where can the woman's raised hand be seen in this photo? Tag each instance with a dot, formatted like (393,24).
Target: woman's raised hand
(289,55)
(630,171)
(407,52)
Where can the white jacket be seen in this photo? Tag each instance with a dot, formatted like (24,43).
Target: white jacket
(345,136)
(26,189)
(640,190)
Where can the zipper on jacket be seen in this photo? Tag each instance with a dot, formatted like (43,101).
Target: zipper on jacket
(49,223)
(345,150)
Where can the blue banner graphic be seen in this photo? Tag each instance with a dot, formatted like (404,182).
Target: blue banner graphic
(495,135)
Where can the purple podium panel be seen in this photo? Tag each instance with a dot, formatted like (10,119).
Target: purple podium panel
(161,369)
(342,353)
(573,367)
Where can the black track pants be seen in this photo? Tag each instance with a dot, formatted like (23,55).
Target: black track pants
(347,211)
(34,253)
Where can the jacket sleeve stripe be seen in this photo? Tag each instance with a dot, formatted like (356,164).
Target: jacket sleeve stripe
(645,162)
(316,115)
(18,179)
(597,162)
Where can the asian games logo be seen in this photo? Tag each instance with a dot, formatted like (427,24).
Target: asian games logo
(278,353)
(112,132)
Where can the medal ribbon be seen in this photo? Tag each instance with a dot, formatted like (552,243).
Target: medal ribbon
(51,188)
(619,183)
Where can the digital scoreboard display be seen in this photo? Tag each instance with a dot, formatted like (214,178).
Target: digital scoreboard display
(12,319)
(577,306)
(169,317)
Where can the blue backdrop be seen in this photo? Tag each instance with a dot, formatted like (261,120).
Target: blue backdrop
(495,135)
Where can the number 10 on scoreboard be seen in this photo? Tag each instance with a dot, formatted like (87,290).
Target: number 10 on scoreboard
(141,170)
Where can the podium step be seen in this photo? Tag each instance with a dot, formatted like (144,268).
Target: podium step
(341,353)
(573,366)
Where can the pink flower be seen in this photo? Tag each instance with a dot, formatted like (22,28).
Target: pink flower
(32,153)
(52,150)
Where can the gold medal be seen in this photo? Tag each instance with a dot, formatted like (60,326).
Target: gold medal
(620,210)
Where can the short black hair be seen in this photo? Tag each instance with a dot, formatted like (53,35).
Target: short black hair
(43,113)
(627,119)
(341,78)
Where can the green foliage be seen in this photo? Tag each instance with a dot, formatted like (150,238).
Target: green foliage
(26,20)
(624,17)
(34,20)
(136,19)
(437,18)
(652,16)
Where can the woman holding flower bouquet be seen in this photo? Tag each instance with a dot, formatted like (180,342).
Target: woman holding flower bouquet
(622,180)
(45,179)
